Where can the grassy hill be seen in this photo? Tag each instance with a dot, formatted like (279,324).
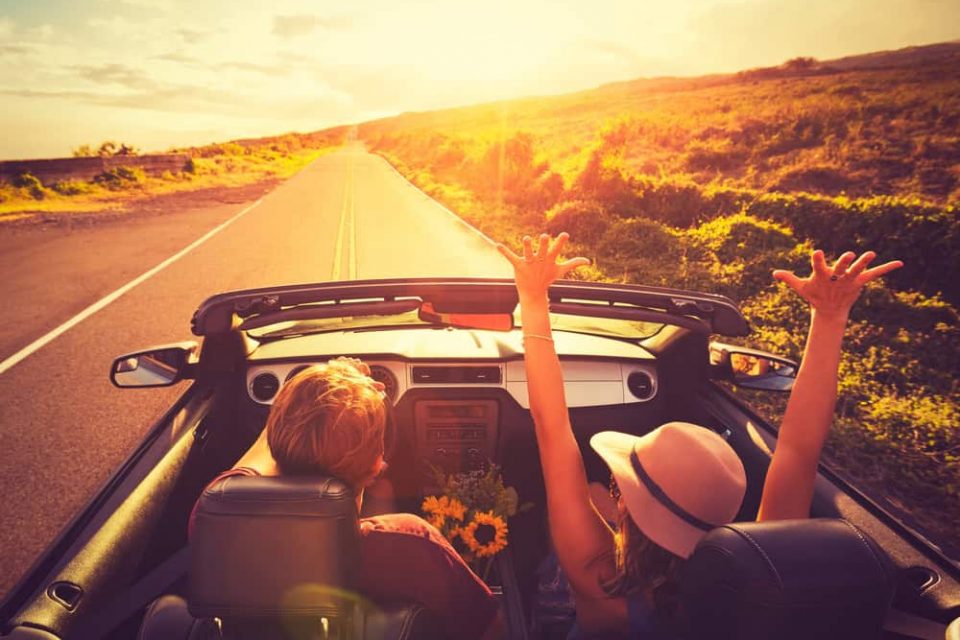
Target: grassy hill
(711,182)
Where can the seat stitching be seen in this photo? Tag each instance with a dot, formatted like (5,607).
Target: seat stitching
(878,564)
(770,564)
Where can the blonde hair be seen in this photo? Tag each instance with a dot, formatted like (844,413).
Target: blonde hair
(329,419)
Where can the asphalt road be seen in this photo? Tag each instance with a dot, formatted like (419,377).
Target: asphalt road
(63,427)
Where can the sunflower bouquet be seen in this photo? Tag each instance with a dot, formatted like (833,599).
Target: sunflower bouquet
(472,512)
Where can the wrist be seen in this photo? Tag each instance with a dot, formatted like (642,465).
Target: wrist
(836,319)
(531,298)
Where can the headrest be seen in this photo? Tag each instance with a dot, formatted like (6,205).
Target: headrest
(265,546)
(788,579)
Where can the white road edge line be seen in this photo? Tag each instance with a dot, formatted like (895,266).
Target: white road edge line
(439,204)
(103,302)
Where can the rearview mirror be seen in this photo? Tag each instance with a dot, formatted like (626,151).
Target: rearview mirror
(752,369)
(157,367)
(491,321)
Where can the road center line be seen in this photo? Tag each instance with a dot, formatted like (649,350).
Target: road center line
(342,225)
(352,258)
(39,343)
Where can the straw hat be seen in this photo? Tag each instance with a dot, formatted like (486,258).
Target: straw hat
(677,482)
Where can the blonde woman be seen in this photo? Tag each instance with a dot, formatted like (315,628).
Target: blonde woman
(330,420)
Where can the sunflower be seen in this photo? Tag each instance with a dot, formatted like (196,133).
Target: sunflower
(439,509)
(459,544)
(486,535)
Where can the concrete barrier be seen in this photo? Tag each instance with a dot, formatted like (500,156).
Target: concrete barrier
(57,169)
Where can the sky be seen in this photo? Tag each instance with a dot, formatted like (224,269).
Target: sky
(158,74)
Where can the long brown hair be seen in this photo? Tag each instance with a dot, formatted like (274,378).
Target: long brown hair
(645,566)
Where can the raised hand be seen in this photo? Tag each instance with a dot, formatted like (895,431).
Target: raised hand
(538,268)
(832,290)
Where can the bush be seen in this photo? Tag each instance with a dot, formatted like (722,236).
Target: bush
(72,187)
(713,156)
(26,180)
(743,251)
(585,220)
(31,184)
(120,178)
(641,250)
(190,166)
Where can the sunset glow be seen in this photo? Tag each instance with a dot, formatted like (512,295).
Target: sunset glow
(160,74)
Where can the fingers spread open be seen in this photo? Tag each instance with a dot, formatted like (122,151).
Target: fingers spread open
(876,272)
(861,263)
(841,264)
(573,263)
(527,248)
(789,278)
(544,245)
(558,245)
(819,263)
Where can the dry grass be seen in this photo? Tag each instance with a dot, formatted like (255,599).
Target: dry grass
(222,165)
(710,183)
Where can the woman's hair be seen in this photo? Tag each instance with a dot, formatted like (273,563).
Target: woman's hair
(643,565)
(328,419)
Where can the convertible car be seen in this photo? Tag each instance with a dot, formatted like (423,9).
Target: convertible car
(277,557)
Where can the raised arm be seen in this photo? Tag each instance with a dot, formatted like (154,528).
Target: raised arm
(831,292)
(582,540)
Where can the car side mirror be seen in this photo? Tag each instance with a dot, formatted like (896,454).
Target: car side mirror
(752,369)
(157,367)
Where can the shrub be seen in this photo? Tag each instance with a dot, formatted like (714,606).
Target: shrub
(190,166)
(713,156)
(674,202)
(26,180)
(31,184)
(72,187)
(585,220)
(743,251)
(641,250)
(120,178)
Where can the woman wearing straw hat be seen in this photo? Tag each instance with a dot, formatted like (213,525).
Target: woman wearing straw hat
(624,582)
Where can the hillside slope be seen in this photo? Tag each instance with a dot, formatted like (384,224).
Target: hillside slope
(709,183)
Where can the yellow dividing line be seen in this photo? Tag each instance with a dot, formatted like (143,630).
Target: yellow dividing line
(348,220)
(352,257)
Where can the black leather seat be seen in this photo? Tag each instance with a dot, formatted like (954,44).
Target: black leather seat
(279,558)
(795,579)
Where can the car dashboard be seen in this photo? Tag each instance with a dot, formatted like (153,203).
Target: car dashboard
(460,396)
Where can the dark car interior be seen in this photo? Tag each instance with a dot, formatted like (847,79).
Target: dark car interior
(849,572)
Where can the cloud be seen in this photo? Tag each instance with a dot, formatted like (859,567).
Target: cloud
(176,56)
(15,49)
(193,36)
(292,26)
(39,93)
(253,67)
(115,74)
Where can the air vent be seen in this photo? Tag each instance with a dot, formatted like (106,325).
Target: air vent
(295,371)
(456,375)
(640,384)
(264,387)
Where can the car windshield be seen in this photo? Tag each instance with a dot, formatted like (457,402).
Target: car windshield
(609,327)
